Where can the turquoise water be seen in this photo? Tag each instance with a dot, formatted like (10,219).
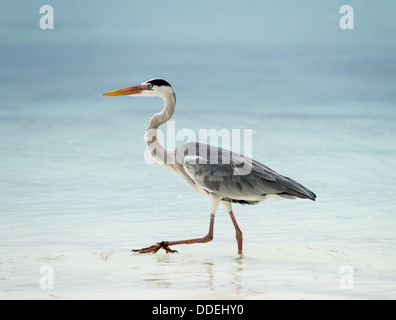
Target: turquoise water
(76,193)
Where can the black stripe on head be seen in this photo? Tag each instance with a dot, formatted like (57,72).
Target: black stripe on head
(159,82)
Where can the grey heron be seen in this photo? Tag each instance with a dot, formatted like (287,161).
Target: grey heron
(222,175)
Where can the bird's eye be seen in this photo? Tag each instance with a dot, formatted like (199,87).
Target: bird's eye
(149,86)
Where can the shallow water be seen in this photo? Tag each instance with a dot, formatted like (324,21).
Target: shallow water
(77,194)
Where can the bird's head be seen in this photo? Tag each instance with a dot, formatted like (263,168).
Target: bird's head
(150,88)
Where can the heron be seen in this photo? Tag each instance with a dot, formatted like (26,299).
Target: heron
(224,176)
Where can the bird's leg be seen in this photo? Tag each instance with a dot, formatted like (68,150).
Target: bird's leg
(214,202)
(154,248)
(207,238)
(165,244)
(238,233)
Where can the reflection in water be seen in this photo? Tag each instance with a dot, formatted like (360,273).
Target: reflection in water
(238,274)
(209,270)
(195,273)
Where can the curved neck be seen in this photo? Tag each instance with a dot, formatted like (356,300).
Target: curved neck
(150,137)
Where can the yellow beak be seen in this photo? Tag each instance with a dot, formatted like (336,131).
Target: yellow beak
(126,91)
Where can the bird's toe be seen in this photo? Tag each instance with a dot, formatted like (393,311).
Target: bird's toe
(154,248)
(164,245)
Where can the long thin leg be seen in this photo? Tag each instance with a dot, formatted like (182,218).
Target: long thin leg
(214,202)
(238,232)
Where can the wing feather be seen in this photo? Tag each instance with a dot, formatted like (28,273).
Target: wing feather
(235,177)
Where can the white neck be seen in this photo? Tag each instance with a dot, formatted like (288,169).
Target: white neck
(150,137)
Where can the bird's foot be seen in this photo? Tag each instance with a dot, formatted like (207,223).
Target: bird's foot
(154,248)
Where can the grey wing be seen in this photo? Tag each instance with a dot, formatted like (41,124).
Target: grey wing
(237,178)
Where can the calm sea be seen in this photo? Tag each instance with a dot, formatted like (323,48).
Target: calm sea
(76,193)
